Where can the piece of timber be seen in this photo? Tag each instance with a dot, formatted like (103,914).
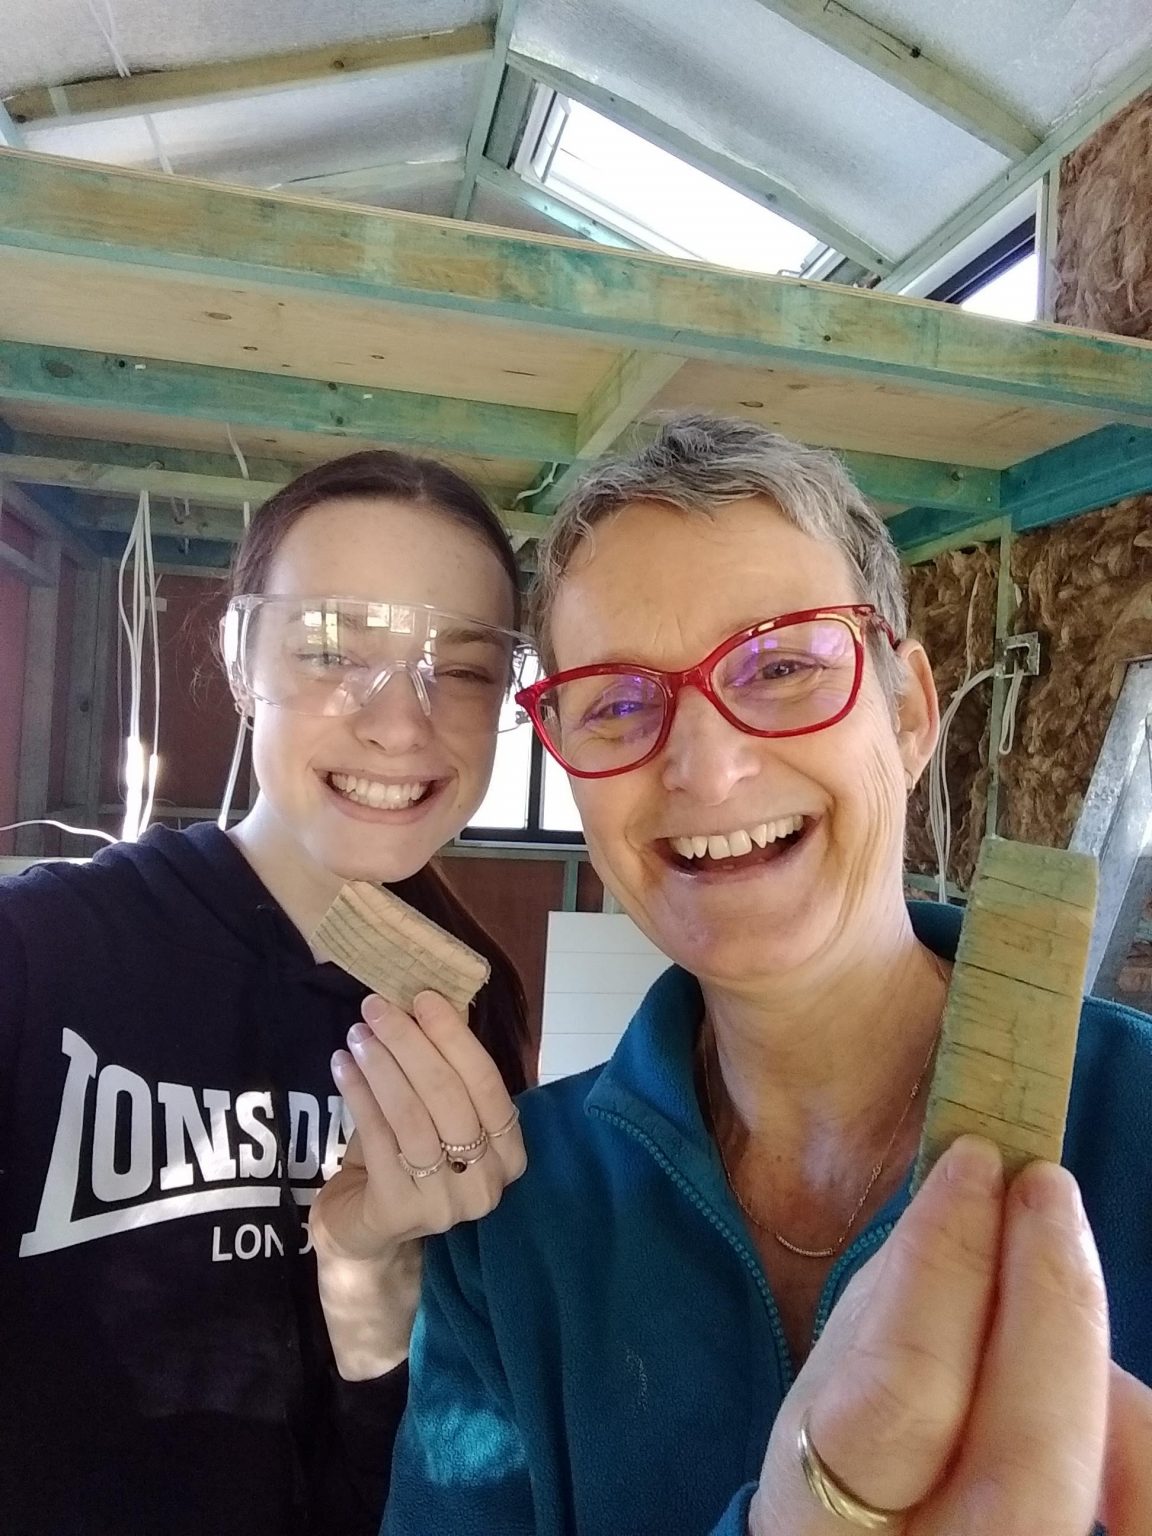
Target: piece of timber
(397,951)
(1008,1040)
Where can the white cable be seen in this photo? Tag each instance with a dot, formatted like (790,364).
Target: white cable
(535,490)
(108,33)
(1008,723)
(238,749)
(48,821)
(243,463)
(939,800)
(140,771)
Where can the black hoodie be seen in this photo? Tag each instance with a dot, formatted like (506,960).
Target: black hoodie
(165,1038)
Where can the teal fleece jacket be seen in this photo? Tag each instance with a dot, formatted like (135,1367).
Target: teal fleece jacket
(602,1355)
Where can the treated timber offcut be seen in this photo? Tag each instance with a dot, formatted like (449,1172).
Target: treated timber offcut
(1008,1043)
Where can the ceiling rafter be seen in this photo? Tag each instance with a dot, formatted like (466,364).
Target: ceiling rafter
(117,97)
(544,201)
(734,173)
(486,105)
(909,70)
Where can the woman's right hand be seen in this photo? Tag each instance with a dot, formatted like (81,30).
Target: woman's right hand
(411,1084)
(964,1375)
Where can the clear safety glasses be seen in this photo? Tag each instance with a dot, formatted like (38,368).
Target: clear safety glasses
(785,677)
(334,656)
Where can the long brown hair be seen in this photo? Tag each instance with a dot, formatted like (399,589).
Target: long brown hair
(499,1015)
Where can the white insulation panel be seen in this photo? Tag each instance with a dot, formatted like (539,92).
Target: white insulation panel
(413,113)
(766,93)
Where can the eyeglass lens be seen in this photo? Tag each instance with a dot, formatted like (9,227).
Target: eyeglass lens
(796,678)
(334,658)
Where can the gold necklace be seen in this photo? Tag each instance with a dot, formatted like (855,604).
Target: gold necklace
(878,1168)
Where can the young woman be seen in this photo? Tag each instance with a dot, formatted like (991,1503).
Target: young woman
(198,1333)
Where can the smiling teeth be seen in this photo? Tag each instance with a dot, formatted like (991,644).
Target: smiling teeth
(734,845)
(381,797)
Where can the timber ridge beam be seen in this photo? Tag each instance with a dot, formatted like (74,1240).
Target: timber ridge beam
(639,301)
(138,93)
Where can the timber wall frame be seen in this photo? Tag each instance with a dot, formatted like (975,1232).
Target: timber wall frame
(613,334)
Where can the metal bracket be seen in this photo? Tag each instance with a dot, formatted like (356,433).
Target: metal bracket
(1024,653)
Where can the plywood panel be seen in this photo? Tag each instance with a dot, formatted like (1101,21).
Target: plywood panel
(104,307)
(874,416)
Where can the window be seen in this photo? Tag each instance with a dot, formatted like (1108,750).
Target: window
(529,799)
(654,198)
(1002,281)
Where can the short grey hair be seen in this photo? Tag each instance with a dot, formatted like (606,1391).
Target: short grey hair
(698,463)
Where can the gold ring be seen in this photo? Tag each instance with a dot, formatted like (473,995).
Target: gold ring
(507,1126)
(835,1498)
(462,1164)
(457,1148)
(421,1173)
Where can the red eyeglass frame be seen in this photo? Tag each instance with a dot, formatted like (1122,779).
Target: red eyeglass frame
(857,617)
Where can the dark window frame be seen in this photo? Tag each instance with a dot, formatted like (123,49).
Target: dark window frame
(533,833)
(990,264)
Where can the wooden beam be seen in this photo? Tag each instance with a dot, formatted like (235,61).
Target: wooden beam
(623,394)
(48,523)
(1047,225)
(571,219)
(1006,188)
(632,299)
(907,68)
(737,174)
(116,97)
(1096,470)
(222,526)
(486,105)
(96,380)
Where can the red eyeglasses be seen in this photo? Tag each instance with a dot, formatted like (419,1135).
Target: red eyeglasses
(786,677)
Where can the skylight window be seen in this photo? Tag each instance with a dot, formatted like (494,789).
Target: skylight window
(657,200)
(1010,296)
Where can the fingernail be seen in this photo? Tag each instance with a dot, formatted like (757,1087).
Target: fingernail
(358,1034)
(341,1064)
(373,1007)
(1054,1193)
(975,1164)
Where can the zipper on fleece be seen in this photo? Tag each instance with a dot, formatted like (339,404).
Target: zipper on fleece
(724,1227)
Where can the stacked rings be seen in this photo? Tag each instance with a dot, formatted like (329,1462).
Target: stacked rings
(457,1152)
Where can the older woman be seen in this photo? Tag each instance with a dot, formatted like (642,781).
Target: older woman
(628,1345)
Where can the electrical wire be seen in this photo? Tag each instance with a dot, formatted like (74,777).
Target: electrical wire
(140,770)
(107,30)
(242,731)
(62,826)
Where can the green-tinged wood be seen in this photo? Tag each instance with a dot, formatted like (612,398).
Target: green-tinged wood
(116,97)
(61,376)
(574,222)
(1008,1041)
(906,67)
(737,174)
(220,525)
(486,105)
(129,480)
(635,299)
(623,394)
(1005,189)
(1096,470)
